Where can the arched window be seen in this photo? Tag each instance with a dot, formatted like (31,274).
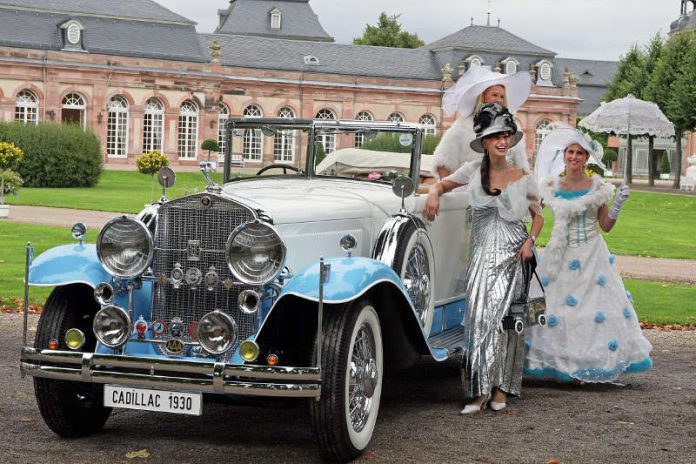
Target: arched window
(153,125)
(284,140)
(328,141)
(510,67)
(26,107)
(188,130)
(395,117)
(275,18)
(117,127)
(360,138)
(428,123)
(223,115)
(542,130)
(253,143)
(74,109)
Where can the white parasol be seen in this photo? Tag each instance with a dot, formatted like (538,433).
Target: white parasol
(629,116)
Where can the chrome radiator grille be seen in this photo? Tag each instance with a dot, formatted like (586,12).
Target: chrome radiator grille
(191,235)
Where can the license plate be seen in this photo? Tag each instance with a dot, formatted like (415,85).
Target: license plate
(144,399)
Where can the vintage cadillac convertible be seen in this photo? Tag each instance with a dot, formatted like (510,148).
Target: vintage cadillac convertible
(297,282)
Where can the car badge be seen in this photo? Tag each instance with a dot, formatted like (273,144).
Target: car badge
(206,201)
(141,327)
(194,277)
(174,346)
(193,250)
(158,327)
(176,328)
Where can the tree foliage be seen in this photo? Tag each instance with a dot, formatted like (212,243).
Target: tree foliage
(388,33)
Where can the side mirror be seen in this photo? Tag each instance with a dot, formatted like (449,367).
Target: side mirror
(403,187)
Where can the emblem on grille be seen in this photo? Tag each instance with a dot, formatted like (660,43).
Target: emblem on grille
(174,346)
(206,201)
(176,328)
(194,277)
(211,278)
(193,251)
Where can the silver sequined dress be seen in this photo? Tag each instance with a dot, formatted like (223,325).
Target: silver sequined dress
(494,357)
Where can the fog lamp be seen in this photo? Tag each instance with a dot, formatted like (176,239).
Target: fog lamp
(249,350)
(112,326)
(272,359)
(217,332)
(75,339)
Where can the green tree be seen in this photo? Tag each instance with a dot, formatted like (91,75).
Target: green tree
(672,86)
(210,145)
(388,33)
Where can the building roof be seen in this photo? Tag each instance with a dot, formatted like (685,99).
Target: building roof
(488,39)
(251,17)
(333,58)
(124,9)
(593,78)
(108,34)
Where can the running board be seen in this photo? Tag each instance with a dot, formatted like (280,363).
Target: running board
(450,342)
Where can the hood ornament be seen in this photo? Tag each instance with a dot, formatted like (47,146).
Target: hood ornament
(206,168)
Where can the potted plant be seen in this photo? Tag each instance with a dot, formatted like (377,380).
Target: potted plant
(210,145)
(150,163)
(10,155)
(608,159)
(665,168)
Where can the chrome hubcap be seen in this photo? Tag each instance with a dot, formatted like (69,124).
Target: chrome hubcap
(364,377)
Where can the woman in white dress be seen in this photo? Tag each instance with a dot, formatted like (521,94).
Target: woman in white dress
(474,88)
(592,333)
(502,195)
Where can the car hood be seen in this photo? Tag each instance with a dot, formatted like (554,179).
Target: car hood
(304,200)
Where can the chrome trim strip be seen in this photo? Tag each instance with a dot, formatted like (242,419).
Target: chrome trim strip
(235,387)
(94,360)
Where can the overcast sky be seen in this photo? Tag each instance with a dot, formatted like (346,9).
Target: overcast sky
(587,29)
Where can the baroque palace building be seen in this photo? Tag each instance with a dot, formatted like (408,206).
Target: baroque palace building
(141,78)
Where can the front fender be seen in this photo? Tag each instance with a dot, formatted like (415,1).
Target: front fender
(68,264)
(348,279)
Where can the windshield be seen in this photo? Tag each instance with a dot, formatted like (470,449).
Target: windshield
(347,149)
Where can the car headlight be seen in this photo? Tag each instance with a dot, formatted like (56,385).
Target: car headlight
(217,332)
(112,326)
(125,247)
(255,253)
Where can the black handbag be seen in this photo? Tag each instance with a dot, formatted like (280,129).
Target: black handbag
(526,311)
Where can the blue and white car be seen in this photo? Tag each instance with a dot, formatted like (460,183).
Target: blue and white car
(307,280)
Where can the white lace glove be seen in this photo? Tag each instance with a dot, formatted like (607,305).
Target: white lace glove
(621,196)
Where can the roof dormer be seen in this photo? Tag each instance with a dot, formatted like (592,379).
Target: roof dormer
(276,18)
(510,65)
(544,73)
(72,35)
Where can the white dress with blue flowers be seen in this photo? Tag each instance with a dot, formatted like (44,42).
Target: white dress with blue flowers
(592,334)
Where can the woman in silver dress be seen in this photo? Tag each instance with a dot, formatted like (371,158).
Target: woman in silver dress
(502,196)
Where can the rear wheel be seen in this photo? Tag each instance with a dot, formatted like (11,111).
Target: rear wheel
(352,369)
(70,409)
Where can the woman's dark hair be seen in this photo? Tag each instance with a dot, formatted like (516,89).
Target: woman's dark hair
(485,176)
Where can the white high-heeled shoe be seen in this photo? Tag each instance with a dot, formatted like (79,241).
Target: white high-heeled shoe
(474,408)
(495,406)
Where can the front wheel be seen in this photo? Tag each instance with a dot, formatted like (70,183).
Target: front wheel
(352,369)
(70,409)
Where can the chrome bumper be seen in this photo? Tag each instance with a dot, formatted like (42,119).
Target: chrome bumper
(172,374)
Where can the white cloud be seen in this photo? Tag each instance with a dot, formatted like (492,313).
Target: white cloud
(589,29)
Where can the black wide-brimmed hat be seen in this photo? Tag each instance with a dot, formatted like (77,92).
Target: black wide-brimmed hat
(494,118)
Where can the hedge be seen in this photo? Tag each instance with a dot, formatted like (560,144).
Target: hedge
(55,155)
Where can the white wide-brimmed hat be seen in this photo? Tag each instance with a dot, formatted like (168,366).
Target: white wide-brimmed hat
(549,158)
(492,119)
(463,95)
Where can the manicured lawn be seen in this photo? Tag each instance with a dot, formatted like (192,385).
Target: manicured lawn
(651,224)
(121,191)
(655,302)
(663,303)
